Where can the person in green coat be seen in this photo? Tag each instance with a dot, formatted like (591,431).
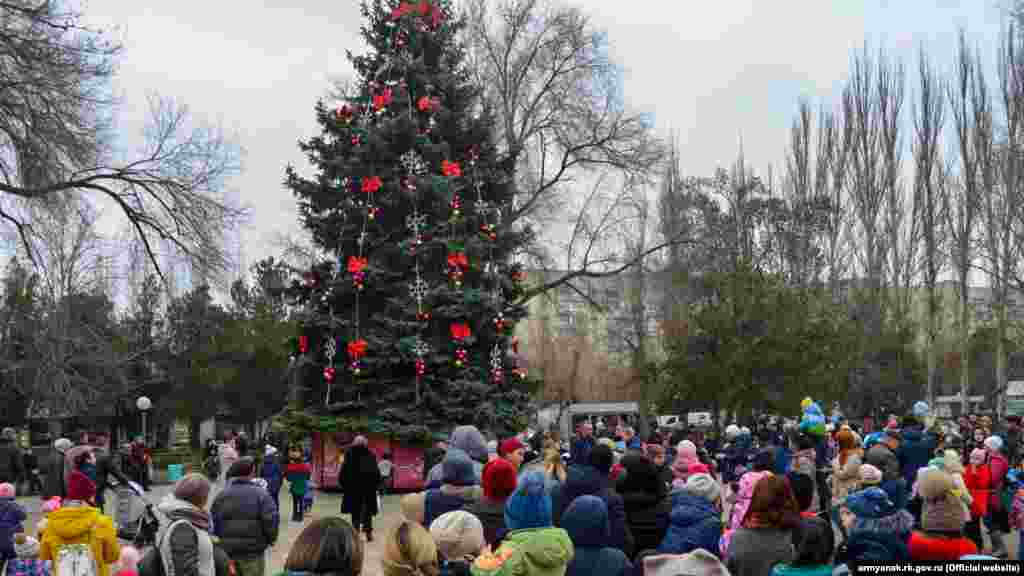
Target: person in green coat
(297,473)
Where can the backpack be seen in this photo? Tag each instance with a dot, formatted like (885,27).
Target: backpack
(76,560)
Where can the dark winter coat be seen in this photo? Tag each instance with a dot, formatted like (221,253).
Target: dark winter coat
(12,518)
(271,472)
(916,449)
(579,454)
(105,468)
(647,516)
(872,547)
(358,479)
(881,457)
(739,453)
(11,465)
(586,479)
(431,457)
(588,529)
(694,523)
(53,483)
(447,498)
(492,515)
(245,519)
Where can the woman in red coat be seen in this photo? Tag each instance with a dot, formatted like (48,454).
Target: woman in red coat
(978,480)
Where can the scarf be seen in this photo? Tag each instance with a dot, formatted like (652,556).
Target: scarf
(176,509)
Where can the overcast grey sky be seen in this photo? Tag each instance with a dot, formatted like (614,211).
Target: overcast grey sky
(711,71)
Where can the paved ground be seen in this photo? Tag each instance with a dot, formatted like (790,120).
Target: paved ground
(325,504)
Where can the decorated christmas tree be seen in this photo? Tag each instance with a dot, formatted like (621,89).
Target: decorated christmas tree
(408,330)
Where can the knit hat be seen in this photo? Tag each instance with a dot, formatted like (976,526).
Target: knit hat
(942,510)
(870,503)
(703,485)
(129,560)
(51,505)
(870,475)
(530,505)
(6,490)
(978,456)
(699,561)
(62,444)
(732,431)
(499,479)
(80,487)
(471,441)
(951,462)
(937,463)
(458,534)
(457,469)
(269,450)
(607,442)
(26,547)
(994,444)
(921,410)
(511,445)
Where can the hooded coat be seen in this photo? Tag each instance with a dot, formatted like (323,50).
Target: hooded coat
(694,523)
(81,525)
(586,523)
(53,483)
(467,441)
(880,531)
(457,492)
(647,507)
(582,480)
(12,519)
(915,451)
(183,542)
(534,551)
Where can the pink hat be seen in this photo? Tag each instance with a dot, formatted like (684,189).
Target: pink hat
(6,490)
(978,456)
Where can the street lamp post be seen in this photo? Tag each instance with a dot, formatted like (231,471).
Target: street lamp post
(143,404)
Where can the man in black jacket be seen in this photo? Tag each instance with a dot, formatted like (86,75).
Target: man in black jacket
(11,464)
(105,468)
(245,519)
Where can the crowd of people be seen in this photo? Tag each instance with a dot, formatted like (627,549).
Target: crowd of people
(809,499)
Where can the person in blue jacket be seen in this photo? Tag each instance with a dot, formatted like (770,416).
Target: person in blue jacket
(271,473)
(696,518)
(586,522)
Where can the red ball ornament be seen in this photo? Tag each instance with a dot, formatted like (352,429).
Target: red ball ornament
(303,344)
(329,373)
(423,316)
(421,367)
(460,357)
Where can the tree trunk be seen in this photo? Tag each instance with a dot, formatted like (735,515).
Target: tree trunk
(964,330)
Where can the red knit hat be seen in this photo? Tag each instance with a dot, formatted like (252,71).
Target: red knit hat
(511,445)
(499,479)
(80,487)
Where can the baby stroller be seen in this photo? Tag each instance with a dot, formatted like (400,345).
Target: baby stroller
(137,521)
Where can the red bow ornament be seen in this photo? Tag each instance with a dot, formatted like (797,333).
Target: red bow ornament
(460,331)
(450,169)
(381,100)
(458,260)
(357,349)
(371,184)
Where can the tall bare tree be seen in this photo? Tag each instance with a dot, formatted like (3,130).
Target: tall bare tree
(1001,172)
(560,118)
(967,102)
(929,118)
(55,115)
(861,106)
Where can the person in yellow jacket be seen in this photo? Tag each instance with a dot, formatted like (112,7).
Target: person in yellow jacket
(78,522)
